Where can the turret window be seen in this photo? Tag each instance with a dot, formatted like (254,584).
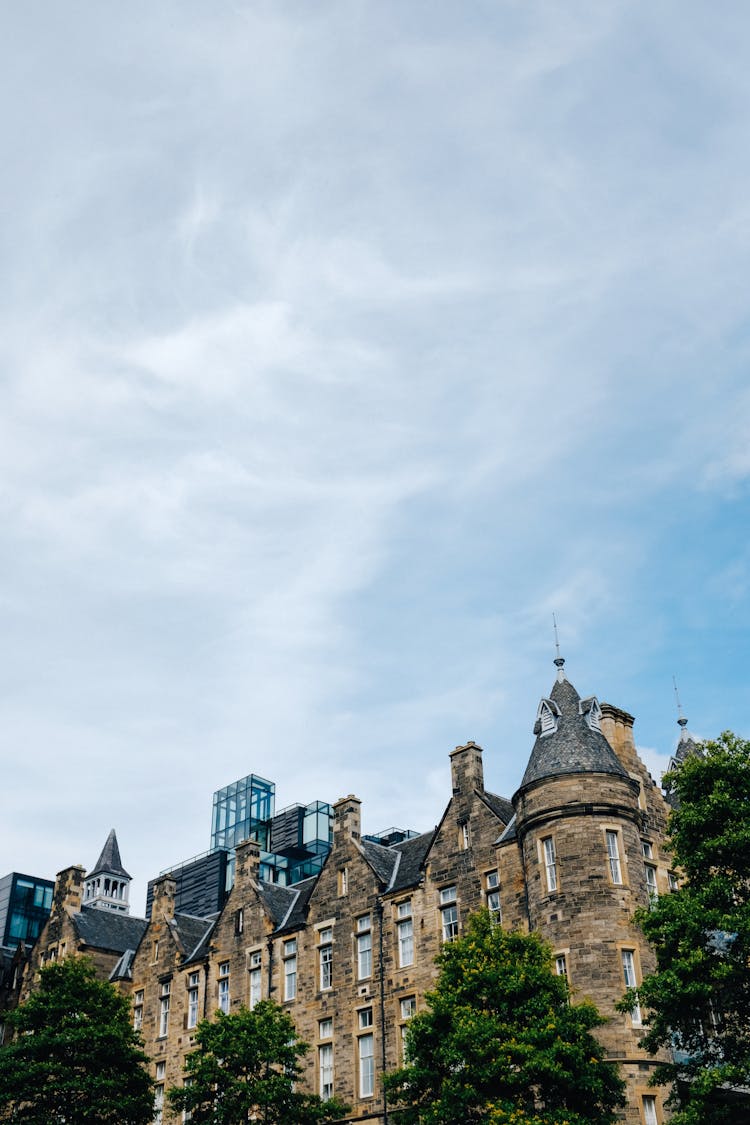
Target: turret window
(631,981)
(649,1110)
(651,887)
(550,863)
(613,856)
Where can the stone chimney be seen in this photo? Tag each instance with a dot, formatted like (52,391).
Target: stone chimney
(165,895)
(617,727)
(347,819)
(247,866)
(467,773)
(69,889)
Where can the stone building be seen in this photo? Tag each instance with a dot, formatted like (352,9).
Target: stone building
(350,953)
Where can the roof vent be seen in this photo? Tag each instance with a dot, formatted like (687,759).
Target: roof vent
(547,717)
(591,712)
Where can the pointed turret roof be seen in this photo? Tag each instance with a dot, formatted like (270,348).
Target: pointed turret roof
(568,736)
(109,862)
(686,744)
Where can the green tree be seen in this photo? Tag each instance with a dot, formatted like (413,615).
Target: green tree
(500,1041)
(698,999)
(75,1056)
(246,1067)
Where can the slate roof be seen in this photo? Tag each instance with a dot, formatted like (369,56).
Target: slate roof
(191,931)
(501,806)
(510,833)
(381,860)
(109,861)
(201,948)
(278,900)
(108,929)
(123,970)
(573,747)
(297,915)
(413,853)
(686,746)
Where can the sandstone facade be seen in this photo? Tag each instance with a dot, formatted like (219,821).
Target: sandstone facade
(350,953)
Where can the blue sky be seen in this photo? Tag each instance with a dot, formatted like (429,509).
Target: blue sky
(341,344)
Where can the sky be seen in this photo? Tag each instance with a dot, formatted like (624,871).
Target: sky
(341,345)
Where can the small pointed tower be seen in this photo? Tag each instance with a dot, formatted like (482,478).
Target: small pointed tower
(107,885)
(686,746)
(579,825)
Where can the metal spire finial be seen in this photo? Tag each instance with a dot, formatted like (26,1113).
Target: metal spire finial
(559,661)
(681,721)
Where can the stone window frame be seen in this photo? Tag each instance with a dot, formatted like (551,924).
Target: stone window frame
(289,961)
(192,987)
(165,992)
(324,943)
(366,1065)
(161,1073)
(222,988)
(363,943)
(614,831)
(405,933)
(404,1017)
(138,995)
(325,1071)
(547,855)
(561,960)
(449,920)
(254,977)
(629,958)
(491,888)
(644,1096)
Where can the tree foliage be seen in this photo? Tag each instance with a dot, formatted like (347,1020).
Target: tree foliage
(75,1056)
(500,1041)
(698,999)
(246,1067)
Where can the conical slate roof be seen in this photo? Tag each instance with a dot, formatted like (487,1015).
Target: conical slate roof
(686,745)
(109,862)
(574,745)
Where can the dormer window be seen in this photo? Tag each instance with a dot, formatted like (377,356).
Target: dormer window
(591,712)
(547,717)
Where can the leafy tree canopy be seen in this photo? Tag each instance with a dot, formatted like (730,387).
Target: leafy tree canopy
(75,1056)
(500,1041)
(246,1067)
(698,999)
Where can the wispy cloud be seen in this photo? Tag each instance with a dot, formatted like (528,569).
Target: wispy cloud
(339,346)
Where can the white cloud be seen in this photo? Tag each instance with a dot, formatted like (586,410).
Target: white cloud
(339,347)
